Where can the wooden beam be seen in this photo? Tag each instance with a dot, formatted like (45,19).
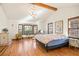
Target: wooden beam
(73,18)
(45,6)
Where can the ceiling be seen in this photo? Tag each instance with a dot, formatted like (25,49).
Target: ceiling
(16,11)
(64,5)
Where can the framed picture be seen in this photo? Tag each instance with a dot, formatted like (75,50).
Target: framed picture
(50,28)
(59,27)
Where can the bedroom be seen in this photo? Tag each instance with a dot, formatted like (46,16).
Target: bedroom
(14,14)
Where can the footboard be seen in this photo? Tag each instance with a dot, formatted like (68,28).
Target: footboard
(55,44)
(42,44)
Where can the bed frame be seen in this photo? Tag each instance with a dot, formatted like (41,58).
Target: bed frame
(51,47)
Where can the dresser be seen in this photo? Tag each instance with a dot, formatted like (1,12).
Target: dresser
(4,40)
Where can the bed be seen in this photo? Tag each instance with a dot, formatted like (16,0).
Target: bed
(50,41)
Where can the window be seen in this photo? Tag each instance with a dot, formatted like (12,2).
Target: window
(27,29)
(20,28)
(50,28)
(73,28)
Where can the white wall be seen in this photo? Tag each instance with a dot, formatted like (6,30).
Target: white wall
(13,26)
(61,14)
(3,19)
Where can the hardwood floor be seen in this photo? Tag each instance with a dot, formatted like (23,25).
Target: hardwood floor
(28,47)
(2,49)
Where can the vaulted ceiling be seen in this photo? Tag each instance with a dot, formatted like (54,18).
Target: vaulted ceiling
(16,11)
(19,11)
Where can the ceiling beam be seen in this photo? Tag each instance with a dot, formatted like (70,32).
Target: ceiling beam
(45,6)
